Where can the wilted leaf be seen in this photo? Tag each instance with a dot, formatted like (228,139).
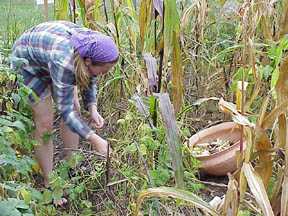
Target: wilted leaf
(165,192)
(247,155)
(264,164)
(142,108)
(144,18)
(281,85)
(257,188)
(202,100)
(231,201)
(239,93)
(171,26)
(262,112)
(255,92)
(282,133)
(264,9)
(177,74)
(242,186)
(186,17)
(273,115)
(230,108)
(284,20)
(227,107)
(242,120)
(133,40)
(249,135)
(274,77)
(158,6)
(172,137)
(284,197)
(276,193)
(151,65)
(282,95)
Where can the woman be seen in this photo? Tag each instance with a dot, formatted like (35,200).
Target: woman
(61,55)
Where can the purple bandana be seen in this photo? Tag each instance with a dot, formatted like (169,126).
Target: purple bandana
(94,45)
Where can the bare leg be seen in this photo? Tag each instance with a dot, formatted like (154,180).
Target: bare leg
(43,119)
(70,139)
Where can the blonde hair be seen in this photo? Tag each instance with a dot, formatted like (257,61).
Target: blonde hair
(81,72)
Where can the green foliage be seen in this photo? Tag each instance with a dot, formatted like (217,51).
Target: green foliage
(244,213)
(14,207)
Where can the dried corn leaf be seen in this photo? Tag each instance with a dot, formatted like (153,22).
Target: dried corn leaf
(144,19)
(257,188)
(262,112)
(273,115)
(133,40)
(282,132)
(231,201)
(264,11)
(284,20)
(172,137)
(248,134)
(255,93)
(247,155)
(201,19)
(284,197)
(282,82)
(282,95)
(264,164)
(171,26)
(231,108)
(277,190)
(166,192)
(151,65)
(177,74)
(242,186)
(142,108)
(202,100)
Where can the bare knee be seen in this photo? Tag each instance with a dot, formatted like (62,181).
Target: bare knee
(44,127)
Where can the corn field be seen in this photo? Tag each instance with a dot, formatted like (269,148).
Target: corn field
(184,66)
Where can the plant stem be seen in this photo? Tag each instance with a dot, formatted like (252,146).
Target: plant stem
(74,11)
(105,10)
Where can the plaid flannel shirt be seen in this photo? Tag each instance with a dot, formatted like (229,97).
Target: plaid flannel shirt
(48,46)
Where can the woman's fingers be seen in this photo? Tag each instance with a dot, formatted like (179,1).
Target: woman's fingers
(99,121)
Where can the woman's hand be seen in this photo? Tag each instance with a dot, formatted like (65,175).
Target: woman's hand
(97,119)
(98,144)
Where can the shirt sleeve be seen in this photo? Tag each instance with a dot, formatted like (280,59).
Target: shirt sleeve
(89,95)
(63,82)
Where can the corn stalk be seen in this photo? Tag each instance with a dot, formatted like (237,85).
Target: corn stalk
(46,9)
